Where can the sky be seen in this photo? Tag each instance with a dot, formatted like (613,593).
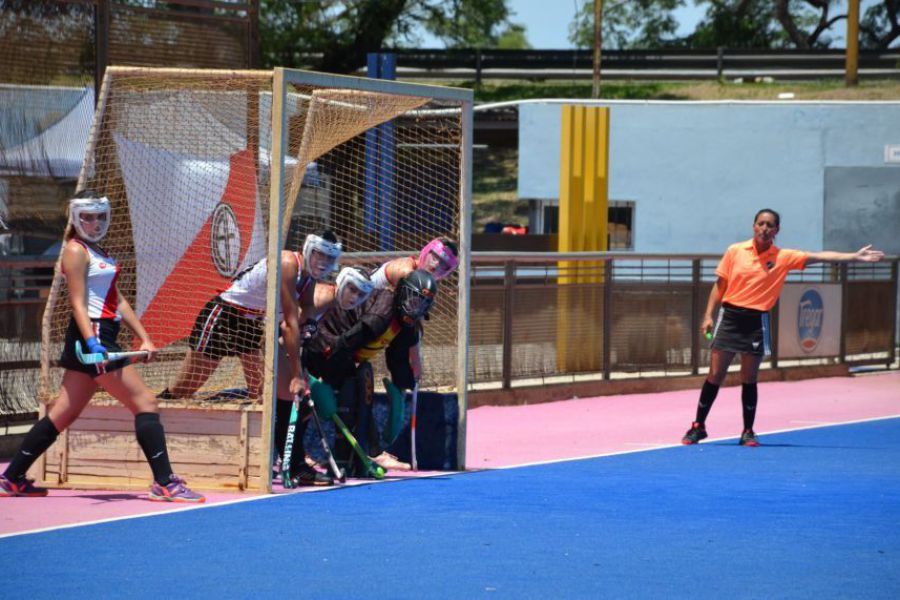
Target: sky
(548,29)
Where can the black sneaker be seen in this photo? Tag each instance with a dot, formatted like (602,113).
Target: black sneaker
(748,438)
(308,476)
(696,433)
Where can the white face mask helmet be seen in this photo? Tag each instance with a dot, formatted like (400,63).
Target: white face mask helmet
(90,217)
(353,287)
(320,256)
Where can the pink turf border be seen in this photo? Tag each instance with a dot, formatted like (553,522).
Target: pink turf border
(500,437)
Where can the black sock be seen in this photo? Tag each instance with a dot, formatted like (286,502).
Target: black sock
(41,437)
(152,439)
(749,397)
(707,397)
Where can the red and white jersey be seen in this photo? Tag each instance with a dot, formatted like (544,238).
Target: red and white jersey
(102,274)
(248,290)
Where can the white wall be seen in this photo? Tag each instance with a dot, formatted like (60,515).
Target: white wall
(700,170)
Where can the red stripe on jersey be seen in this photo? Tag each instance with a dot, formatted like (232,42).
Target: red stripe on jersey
(111,302)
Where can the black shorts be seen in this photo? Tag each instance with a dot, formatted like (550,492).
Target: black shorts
(106,330)
(742,330)
(222,329)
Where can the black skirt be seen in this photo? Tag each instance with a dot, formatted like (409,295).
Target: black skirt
(742,330)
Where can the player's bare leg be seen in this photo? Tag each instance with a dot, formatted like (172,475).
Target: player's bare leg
(194,372)
(252,366)
(126,386)
(74,394)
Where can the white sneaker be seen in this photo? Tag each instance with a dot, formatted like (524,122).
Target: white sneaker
(390,462)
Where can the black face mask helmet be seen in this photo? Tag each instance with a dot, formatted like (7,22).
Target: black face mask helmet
(415,295)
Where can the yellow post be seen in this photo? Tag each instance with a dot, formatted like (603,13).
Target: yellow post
(583,215)
(850,76)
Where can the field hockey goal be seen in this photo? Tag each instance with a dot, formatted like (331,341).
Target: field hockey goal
(209,172)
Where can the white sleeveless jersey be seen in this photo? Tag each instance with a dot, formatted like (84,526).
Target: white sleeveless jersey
(379,278)
(102,295)
(248,290)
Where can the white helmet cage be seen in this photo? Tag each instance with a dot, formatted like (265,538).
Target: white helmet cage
(331,250)
(89,206)
(358,278)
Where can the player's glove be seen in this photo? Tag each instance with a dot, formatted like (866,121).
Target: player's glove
(95,347)
(308,330)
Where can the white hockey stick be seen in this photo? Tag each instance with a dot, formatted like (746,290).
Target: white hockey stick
(93,358)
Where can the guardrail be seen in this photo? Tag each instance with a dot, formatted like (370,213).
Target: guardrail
(718,63)
(539,316)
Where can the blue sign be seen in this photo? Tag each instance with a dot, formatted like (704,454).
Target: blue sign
(809,319)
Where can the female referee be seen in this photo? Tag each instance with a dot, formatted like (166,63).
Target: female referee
(97,310)
(750,277)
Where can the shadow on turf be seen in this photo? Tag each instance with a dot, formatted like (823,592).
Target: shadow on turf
(769,445)
(104,498)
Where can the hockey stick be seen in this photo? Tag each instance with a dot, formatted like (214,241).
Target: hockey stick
(412,426)
(371,468)
(93,358)
(289,445)
(340,475)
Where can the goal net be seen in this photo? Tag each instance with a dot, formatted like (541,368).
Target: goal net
(209,172)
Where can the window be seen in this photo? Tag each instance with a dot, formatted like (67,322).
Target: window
(620,229)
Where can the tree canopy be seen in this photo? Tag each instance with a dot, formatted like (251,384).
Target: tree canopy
(736,24)
(336,35)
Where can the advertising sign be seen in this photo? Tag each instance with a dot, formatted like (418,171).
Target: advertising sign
(809,320)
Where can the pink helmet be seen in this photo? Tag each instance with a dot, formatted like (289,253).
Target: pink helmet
(446,254)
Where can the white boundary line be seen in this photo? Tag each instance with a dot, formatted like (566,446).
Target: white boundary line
(437,474)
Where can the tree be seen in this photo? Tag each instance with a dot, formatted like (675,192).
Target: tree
(736,24)
(627,24)
(880,25)
(803,27)
(513,38)
(336,35)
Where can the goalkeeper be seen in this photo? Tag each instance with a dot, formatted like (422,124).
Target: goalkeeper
(347,340)
(440,257)
(351,288)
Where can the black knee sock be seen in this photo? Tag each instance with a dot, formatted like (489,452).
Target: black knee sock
(41,437)
(749,397)
(707,397)
(152,439)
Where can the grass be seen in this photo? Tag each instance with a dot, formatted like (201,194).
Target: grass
(494,197)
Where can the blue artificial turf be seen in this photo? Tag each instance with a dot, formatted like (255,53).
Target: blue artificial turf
(810,514)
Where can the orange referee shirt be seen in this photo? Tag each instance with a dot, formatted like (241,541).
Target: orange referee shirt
(755,280)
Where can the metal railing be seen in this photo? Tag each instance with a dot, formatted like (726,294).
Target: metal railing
(715,63)
(544,316)
(537,316)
